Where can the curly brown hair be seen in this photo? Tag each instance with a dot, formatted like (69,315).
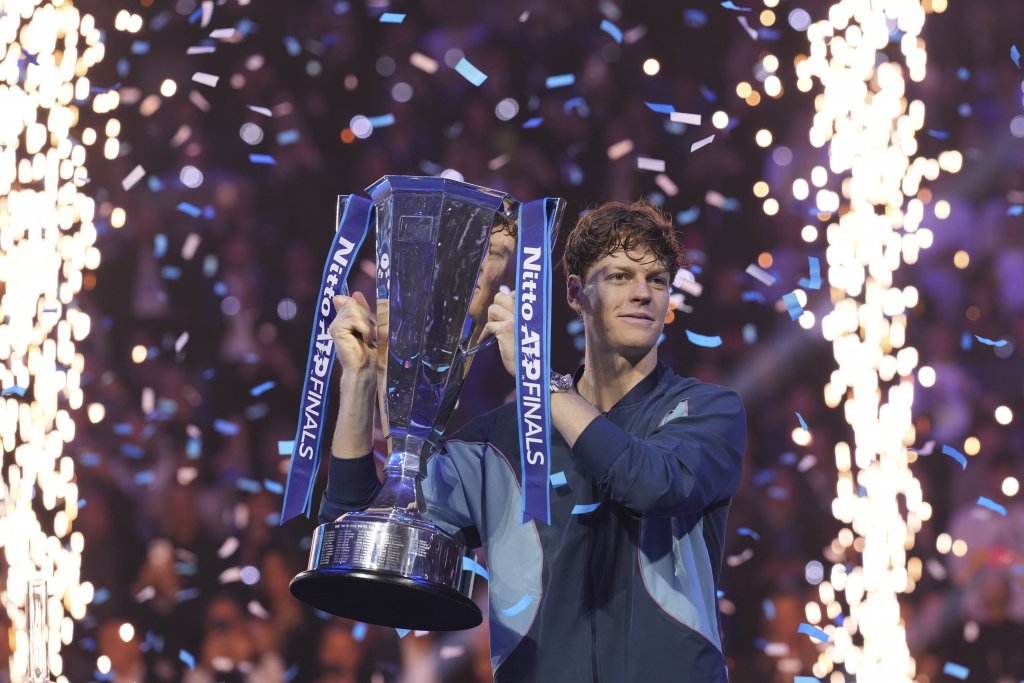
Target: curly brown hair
(625,226)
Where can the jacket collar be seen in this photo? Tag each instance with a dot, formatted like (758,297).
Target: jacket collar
(640,391)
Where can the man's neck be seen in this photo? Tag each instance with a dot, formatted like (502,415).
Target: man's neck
(606,381)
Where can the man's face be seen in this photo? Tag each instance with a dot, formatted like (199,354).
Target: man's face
(624,302)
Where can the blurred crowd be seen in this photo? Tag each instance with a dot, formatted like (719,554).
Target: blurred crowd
(201,318)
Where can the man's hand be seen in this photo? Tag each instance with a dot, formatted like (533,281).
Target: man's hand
(501,321)
(355,334)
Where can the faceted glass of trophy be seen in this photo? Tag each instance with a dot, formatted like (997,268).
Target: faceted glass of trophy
(443,248)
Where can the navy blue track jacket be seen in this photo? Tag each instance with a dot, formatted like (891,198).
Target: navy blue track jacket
(625,592)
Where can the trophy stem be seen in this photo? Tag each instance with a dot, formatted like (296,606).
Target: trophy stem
(402,489)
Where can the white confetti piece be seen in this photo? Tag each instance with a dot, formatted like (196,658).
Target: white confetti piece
(204,78)
(137,174)
(201,50)
(228,547)
(207,13)
(201,102)
(261,110)
(683,117)
(759,274)
(702,143)
(751,31)
(188,250)
(226,34)
(620,149)
(452,651)
(649,164)
(423,62)
(180,342)
(666,185)
(498,162)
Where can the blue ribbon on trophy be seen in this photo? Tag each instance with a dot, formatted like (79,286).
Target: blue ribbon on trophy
(537,220)
(353,223)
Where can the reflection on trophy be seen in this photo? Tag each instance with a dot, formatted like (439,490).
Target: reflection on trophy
(443,248)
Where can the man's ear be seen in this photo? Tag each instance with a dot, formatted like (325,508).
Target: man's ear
(573,293)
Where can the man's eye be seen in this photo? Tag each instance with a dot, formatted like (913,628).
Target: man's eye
(660,281)
(617,276)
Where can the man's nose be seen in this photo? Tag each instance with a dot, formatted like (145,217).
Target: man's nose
(642,290)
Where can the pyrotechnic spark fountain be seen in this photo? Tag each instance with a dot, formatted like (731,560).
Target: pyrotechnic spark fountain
(46,242)
(875,225)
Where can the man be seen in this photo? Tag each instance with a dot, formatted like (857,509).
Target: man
(621,586)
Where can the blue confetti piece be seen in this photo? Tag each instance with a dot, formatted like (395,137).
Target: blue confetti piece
(100,596)
(170,273)
(382,121)
(273,486)
(750,333)
(402,632)
(160,245)
(359,632)
(187,658)
(144,478)
(193,18)
(291,673)
(688,216)
(938,134)
(805,679)
(966,341)
(955,454)
(292,45)
(756,297)
(1015,55)
(1015,210)
(578,104)
(471,565)
(793,305)
(813,632)
(559,81)
(262,388)
(728,4)
(140,47)
(768,34)
(187,594)
(515,609)
(226,428)
(694,18)
(248,485)
(392,18)
(956,670)
(803,424)
(131,450)
(190,209)
(744,531)
(194,448)
(990,342)
(708,94)
(706,341)
(285,447)
(534,122)
(13,391)
(814,281)
(470,72)
(611,29)
(287,137)
(90,459)
(264,159)
(768,607)
(660,108)
(558,479)
(584,509)
(991,505)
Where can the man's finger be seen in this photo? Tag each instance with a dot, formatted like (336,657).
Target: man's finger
(496,312)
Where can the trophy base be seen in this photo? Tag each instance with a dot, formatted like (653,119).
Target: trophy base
(394,569)
(386,600)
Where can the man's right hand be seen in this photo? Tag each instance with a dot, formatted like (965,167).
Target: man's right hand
(355,334)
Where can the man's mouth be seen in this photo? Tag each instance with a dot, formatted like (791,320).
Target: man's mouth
(637,316)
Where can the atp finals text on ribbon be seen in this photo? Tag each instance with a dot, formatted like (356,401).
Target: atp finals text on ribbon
(529,360)
(321,366)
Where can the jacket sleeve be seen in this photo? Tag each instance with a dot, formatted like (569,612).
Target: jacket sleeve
(450,471)
(351,486)
(686,465)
